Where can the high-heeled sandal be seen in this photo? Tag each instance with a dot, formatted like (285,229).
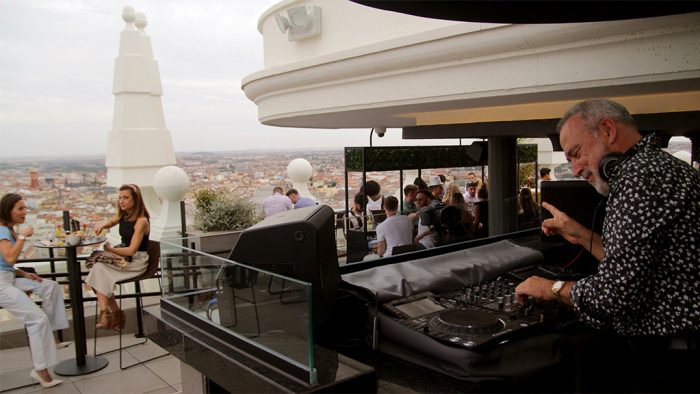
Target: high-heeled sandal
(118,320)
(105,320)
(35,375)
(61,345)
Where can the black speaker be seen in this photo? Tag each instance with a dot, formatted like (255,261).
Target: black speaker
(577,198)
(299,244)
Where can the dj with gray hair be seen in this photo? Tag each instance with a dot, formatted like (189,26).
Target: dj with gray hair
(647,286)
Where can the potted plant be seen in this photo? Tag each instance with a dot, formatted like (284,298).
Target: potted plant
(219,218)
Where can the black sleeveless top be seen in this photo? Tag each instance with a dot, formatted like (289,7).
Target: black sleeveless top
(126,231)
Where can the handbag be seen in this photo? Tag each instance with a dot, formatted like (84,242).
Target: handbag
(113,259)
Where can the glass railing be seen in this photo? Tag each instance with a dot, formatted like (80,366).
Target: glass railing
(260,312)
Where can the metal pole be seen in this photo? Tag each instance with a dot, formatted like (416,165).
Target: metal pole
(183,223)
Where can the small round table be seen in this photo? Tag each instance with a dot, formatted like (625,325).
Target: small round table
(81,364)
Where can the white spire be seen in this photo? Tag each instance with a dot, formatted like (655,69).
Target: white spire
(139,143)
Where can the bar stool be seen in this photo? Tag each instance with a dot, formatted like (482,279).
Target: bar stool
(151,271)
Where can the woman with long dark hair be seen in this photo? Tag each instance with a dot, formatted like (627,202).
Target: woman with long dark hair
(120,262)
(528,212)
(14,285)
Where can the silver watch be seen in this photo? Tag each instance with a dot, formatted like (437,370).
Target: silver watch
(21,237)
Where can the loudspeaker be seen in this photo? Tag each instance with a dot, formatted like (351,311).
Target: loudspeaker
(300,244)
(611,160)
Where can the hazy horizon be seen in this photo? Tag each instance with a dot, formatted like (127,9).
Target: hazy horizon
(57,73)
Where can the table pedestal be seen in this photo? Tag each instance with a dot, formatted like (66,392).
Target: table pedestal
(71,367)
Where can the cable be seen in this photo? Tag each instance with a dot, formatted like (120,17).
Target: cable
(578,256)
(590,245)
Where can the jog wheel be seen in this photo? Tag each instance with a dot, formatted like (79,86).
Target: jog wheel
(466,321)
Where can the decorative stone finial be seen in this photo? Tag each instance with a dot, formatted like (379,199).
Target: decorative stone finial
(129,14)
(299,170)
(141,20)
(171,183)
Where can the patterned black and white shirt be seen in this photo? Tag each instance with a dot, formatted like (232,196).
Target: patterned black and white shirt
(649,280)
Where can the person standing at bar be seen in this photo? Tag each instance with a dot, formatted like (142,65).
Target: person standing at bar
(120,262)
(14,283)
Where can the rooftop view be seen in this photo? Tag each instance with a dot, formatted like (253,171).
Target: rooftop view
(148,121)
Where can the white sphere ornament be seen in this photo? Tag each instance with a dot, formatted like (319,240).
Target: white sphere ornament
(171,183)
(129,14)
(141,21)
(299,170)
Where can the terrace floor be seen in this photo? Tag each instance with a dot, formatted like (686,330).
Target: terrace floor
(161,375)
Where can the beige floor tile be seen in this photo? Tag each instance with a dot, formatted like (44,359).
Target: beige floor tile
(113,366)
(146,351)
(163,390)
(17,379)
(167,368)
(138,379)
(24,390)
(15,358)
(66,387)
(111,342)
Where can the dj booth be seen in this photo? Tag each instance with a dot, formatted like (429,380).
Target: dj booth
(444,319)
(455,314)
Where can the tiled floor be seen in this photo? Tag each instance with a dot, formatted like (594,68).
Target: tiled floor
(161,375)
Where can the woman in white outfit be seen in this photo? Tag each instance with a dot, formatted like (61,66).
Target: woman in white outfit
(14,283)
(120,262)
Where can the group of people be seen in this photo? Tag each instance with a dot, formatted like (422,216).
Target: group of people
(472,203)
(112,264)
(419,198)
(280,201)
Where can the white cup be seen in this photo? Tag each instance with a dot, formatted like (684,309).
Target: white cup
(73,240)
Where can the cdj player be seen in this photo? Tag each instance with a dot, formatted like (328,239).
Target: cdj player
(483,315)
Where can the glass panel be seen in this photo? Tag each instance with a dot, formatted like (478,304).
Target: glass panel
(270,312)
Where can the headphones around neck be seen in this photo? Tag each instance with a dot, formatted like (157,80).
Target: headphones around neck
(611,160)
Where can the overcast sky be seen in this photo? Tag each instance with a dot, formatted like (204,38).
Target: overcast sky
(57,67)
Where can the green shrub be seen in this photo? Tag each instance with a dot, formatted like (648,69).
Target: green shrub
(218,211)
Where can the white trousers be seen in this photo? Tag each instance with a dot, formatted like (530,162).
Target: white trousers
(40,322)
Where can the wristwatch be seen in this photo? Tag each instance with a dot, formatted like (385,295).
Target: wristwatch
(556,288)
(21,237)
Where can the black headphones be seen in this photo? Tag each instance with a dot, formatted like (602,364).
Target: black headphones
(611,160)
